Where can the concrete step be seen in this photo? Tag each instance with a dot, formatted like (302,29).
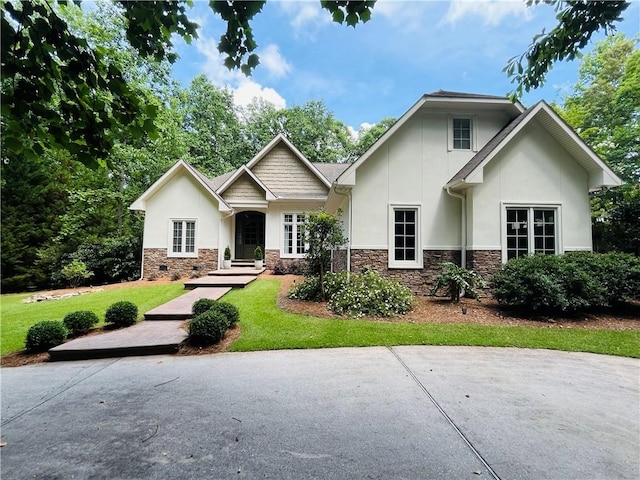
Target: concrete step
(180,308)
(233,281)
(236,271)
(144,338)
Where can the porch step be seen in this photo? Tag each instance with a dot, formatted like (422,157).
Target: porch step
(224,280)
(236,271)
(242,263)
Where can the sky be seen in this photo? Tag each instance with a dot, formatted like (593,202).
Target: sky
(380,68)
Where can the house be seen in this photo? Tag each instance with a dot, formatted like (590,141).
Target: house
(474,179)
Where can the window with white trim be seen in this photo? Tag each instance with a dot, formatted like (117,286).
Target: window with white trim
(404,241)
(531,230)
(293,244)
(183,238)
(461,133)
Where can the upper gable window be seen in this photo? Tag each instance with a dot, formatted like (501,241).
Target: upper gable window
(461,133)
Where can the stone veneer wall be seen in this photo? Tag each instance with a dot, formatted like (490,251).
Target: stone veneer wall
(418,280)
(273,256)
(206,261)
(484,262)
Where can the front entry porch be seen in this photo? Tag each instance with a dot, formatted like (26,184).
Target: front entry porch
(249,234)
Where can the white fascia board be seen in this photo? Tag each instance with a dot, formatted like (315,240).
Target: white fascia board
(471,100)
(281,138)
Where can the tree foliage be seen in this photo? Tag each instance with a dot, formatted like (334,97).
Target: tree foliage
(578,20)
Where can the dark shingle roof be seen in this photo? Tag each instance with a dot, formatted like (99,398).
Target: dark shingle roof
(446,93)
(485,151)
(331,171)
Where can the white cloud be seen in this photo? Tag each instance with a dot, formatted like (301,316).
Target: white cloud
(305,17)
(244,89)
(492,12)
(274,62)
(355,134)
(400,13)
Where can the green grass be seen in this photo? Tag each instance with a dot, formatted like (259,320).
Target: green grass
(265,327)
(16,317)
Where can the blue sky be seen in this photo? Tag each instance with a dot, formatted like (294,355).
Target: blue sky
(379,69)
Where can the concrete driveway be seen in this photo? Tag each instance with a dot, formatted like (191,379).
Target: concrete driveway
(356,413)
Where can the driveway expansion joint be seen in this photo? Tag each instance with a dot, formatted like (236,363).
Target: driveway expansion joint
(424,389)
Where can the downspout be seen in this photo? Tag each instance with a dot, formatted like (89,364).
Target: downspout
(463,230)
(348,195)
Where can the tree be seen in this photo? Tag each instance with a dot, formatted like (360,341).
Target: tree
(369,136)
(311,127)
(604,109)
(323,233)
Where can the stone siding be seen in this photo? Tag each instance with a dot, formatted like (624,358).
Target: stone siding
(484,262)
(272,258)
(154,258)
(418,280)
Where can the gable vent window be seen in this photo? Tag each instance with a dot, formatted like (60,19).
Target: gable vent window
(183,238)
(530,230)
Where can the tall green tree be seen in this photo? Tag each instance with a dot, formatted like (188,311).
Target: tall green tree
(369,136)
(604,108)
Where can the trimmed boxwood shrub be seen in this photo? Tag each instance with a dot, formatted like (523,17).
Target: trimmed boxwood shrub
(80,322)
(207,328)
(230,311)
(45,335)
(571,282)
(122,314)
(202,305)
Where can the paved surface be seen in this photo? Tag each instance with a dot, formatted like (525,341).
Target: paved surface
(370,413)
(144,338)
(237,271)
(234,281)
(180,308)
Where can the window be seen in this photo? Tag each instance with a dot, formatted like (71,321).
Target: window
(404,242)
(183,238)
(293,245)
(530,230)
(461,133)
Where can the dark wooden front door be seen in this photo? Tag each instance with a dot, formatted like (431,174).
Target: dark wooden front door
(249,234)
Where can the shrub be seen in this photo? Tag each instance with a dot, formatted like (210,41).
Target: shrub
(202,305)
(257,253)
(334,282)
(570,282)
(230,311)
(207,328)
(80,322)
(369,294)
(308,289)
(75,273)
(122,314)
(458,281)
(175,276)
(45,335)
(227,253)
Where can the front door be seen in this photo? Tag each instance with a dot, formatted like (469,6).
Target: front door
(249,234)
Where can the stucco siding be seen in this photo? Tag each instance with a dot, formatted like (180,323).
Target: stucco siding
(181,198)
(532,170)
(283,173)
(244,188)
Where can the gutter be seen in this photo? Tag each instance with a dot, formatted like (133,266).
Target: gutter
(463,227)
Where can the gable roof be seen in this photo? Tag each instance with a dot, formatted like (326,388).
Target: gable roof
(331,171)
(280,138)
(440,98)
(140,203)
(237,174)
(600,174)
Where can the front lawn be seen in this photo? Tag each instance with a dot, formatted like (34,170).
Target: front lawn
(266,327)
(16,316)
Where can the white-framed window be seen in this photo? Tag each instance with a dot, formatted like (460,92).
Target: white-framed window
(530,230)
(462,133)
(404,236)
(182,238)
(293,240)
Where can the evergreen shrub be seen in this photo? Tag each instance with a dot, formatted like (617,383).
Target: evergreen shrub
(45,335)
(122,314)
(202,305)
(80,322)
(230,311)
(207,328)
